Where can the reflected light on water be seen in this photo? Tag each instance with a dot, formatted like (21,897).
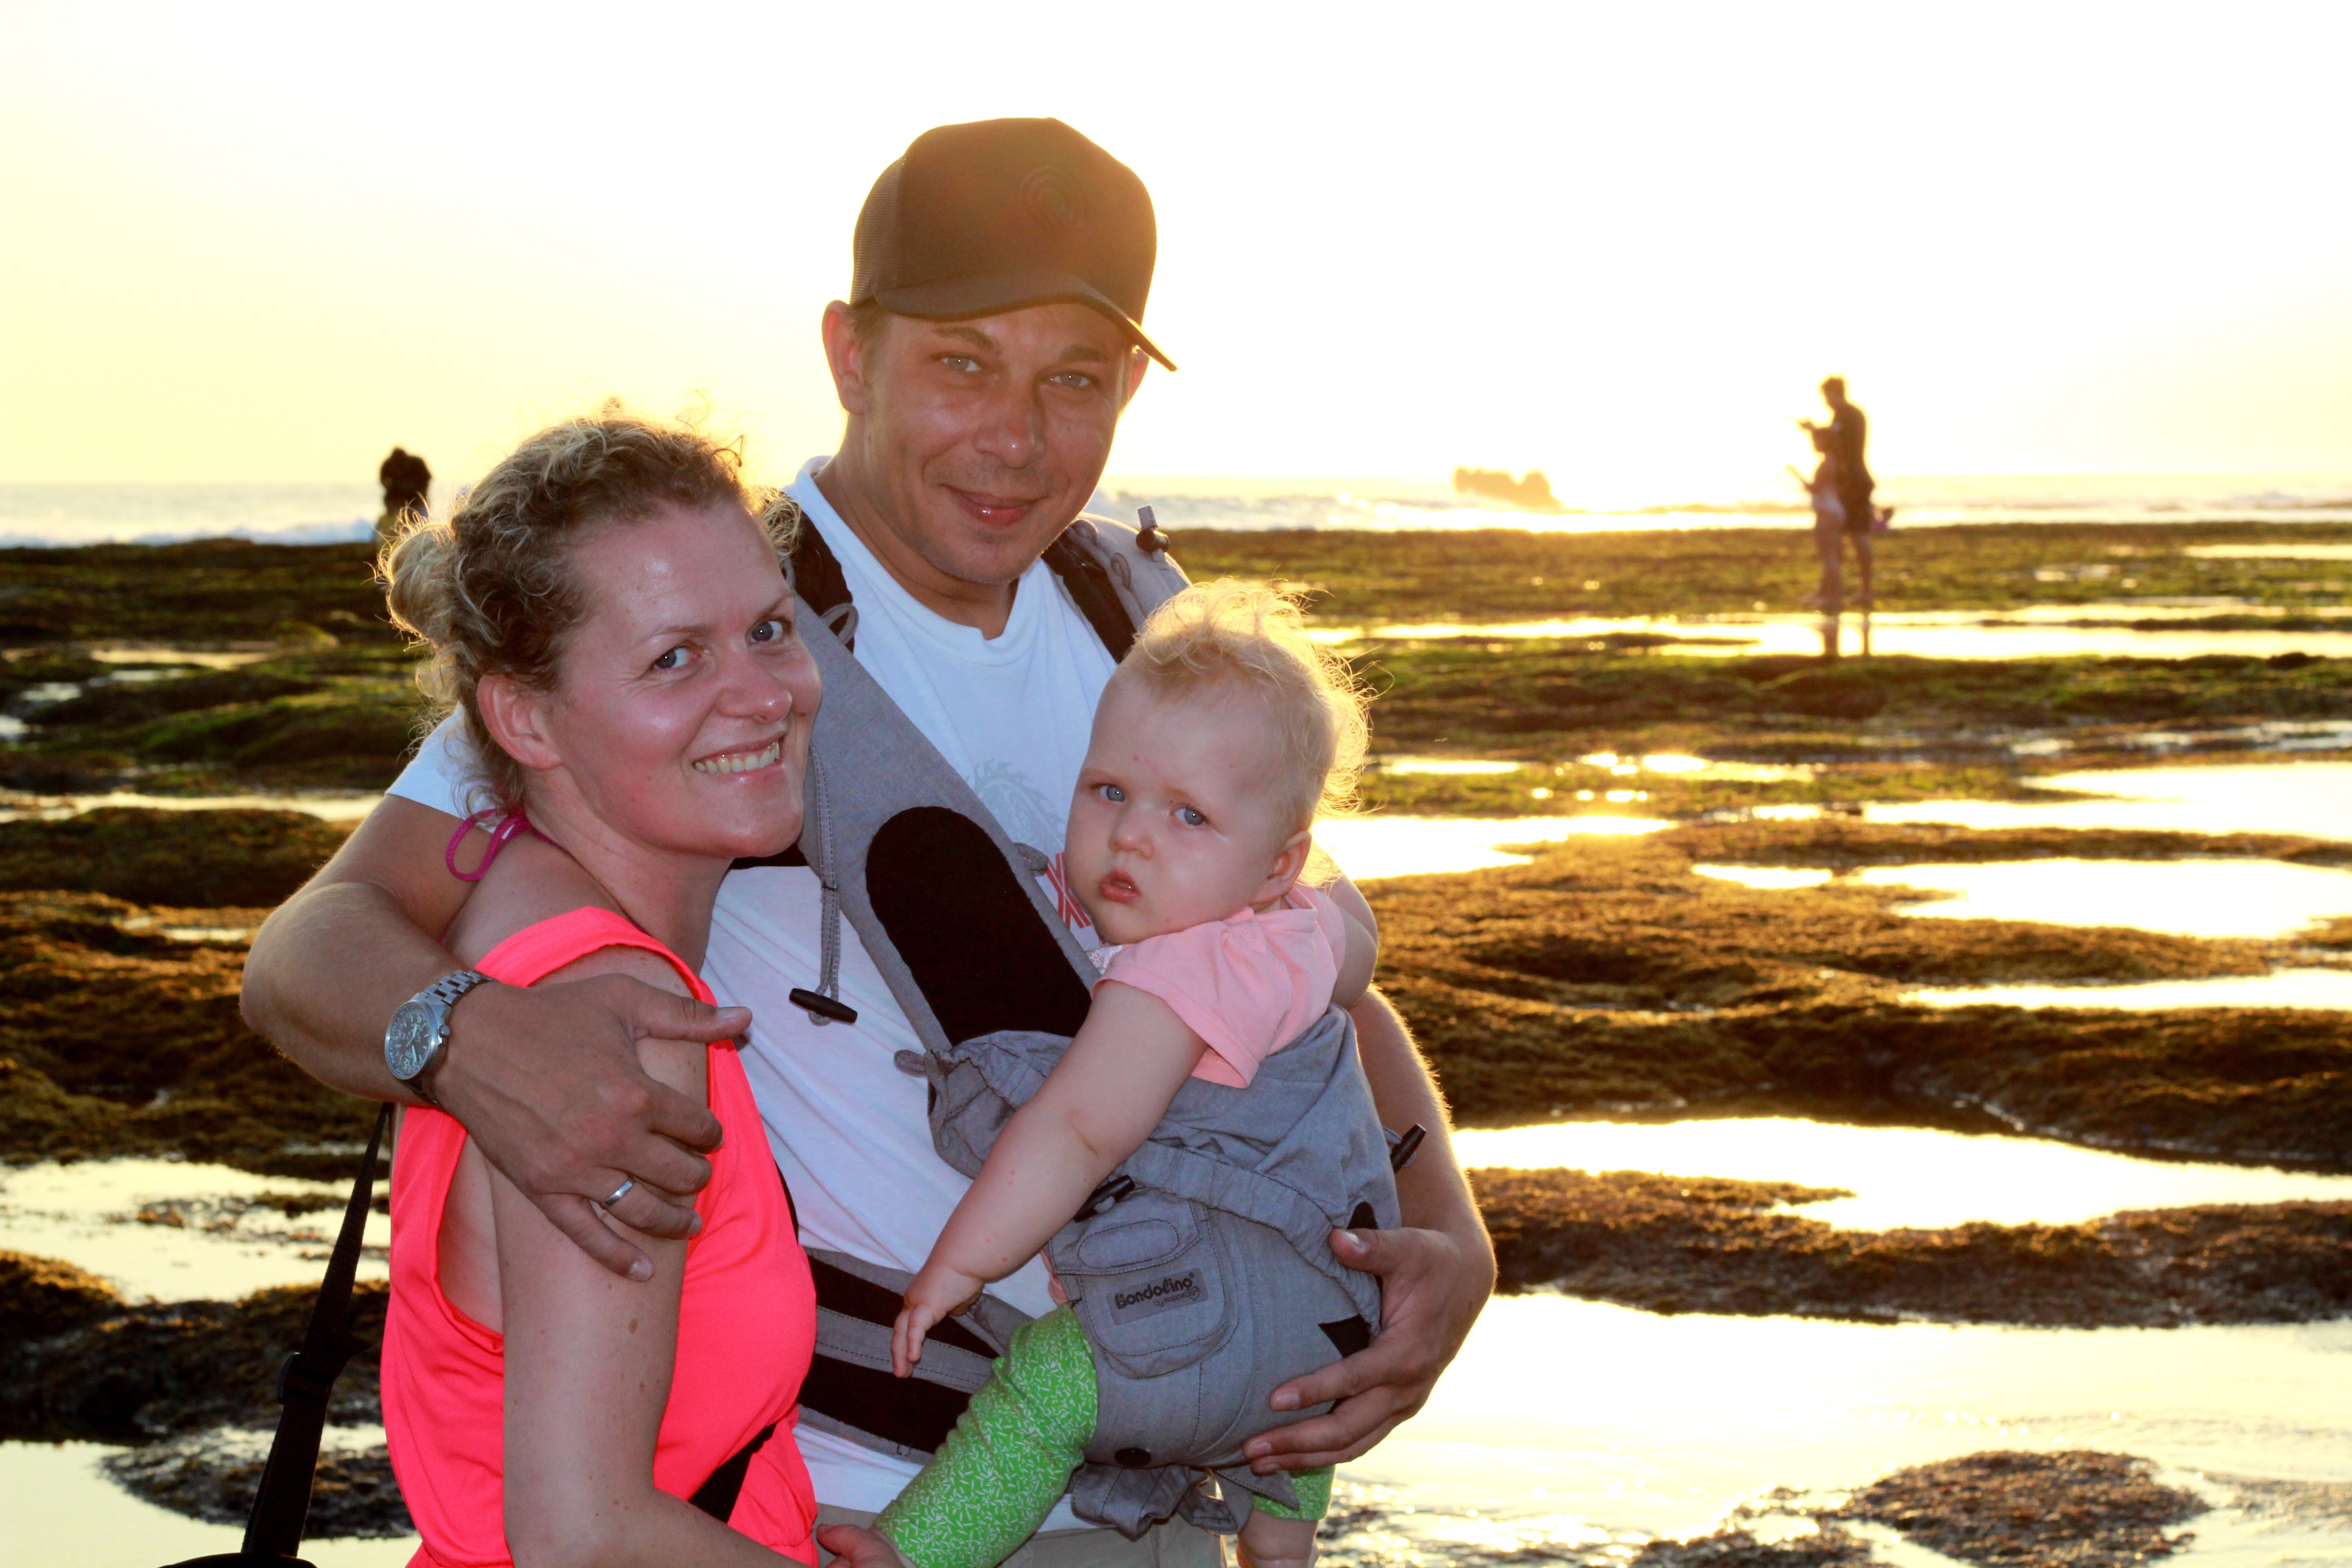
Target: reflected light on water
(2319,988)
(233,660)
(2269,551)
(1661,1424)
(220,1249)
(1373,847)
(2250,797)
(1900,1176)
(1445,766)
(347,806)
(1928,635)
(2187,898)
(1767,879)
(63,1513)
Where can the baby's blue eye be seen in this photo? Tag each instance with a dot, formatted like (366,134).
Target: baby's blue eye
(1190,818)
(1112,792)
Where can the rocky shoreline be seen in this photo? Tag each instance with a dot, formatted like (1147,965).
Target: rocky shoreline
(1606,979)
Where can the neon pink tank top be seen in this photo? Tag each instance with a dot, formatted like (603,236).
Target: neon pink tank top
(746,1316)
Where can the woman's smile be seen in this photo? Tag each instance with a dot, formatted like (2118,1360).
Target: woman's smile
(768,756)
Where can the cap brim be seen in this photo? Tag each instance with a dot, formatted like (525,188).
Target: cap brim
(959,298)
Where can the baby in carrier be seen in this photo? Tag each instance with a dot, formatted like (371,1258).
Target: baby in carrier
(1218,742)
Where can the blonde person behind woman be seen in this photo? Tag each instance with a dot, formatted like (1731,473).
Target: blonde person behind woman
(1218,742)
(614,627)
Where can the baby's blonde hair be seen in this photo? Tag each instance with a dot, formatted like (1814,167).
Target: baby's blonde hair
(1232,636)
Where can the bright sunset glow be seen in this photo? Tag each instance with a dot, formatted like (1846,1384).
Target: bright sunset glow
(1621,244)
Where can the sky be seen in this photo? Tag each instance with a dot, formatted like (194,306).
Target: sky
(1621,244)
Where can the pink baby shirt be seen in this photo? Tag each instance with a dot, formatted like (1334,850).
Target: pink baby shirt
(1248,984)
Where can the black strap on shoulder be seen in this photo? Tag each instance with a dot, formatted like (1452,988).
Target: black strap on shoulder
(817,578)
(282,1504)
(817,575)
(1090,589)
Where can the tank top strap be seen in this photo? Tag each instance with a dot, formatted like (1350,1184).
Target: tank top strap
(538,950)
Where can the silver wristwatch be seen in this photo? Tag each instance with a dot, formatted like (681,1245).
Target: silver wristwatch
(419,1031)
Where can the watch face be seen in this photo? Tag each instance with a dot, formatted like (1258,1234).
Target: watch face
(408,1043)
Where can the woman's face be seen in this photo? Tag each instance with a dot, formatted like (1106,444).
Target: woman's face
(680,715)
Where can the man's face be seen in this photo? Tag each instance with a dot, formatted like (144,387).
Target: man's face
(977,441)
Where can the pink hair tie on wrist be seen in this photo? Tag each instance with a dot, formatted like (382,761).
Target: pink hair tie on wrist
(512,823)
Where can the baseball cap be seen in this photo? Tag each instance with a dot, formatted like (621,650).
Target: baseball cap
(999,213)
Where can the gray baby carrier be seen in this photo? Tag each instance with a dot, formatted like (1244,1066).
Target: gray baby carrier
(1200,1270)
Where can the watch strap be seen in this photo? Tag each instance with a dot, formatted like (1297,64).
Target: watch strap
(446,992)
(451,987)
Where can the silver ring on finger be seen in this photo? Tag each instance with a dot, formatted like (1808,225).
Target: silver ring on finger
(621,1191)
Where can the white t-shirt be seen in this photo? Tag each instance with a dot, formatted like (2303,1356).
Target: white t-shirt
(1012,715)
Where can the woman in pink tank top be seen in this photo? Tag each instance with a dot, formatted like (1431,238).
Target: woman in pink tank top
(613,624)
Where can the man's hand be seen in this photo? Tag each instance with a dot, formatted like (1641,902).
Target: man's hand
(1431,1290)
(547,1081)
(938,1291)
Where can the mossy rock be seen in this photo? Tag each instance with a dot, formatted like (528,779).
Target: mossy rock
(2070,1508)
(368,736)
(206,858)
(121,703)
(43,1296)
(149,1372)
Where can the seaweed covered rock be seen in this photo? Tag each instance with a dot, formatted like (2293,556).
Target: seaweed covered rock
(212,1476)
(1669,1243)
(43,1296)
(181,858)
(2010,1510)
(150,1372)
(117,1039)
(200,591)
(1606,977)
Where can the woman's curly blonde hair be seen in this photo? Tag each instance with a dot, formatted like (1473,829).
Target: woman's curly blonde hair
(488,588)
(1231,635)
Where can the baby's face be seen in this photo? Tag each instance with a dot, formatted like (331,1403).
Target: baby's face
(1173,824)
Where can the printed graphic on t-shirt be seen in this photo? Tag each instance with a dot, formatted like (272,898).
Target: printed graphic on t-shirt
(1019,808)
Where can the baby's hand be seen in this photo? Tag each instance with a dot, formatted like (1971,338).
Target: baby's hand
(937,1292)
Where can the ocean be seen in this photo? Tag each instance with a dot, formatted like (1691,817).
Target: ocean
(55,515)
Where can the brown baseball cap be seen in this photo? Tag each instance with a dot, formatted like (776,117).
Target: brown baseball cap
(999,213)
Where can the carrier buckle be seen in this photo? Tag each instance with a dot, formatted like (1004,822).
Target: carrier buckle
(1104,1197)
(822,1008)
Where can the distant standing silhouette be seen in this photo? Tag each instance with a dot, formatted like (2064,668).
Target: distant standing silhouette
(1841,484)
(405,482)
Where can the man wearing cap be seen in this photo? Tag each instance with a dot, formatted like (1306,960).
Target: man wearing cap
(992,339)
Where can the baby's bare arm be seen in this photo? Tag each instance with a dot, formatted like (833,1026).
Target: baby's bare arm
(1096,1107)
(1112,1087)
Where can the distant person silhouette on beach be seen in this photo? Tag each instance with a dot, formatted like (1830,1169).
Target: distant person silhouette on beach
(1842,487)
(406,481)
